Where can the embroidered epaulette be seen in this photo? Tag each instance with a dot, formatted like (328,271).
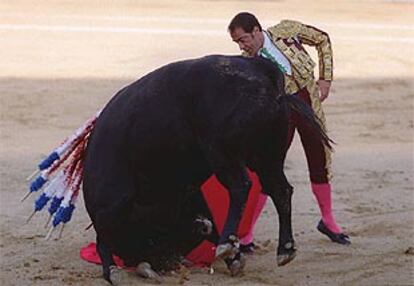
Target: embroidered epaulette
(285,29)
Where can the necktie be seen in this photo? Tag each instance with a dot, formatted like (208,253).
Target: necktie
(265,54)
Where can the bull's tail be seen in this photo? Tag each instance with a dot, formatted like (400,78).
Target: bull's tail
(295,104)
(61,177)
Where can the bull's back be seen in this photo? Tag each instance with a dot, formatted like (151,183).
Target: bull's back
(156,115)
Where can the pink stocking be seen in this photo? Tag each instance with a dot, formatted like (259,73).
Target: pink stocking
(257,211)
(322,193)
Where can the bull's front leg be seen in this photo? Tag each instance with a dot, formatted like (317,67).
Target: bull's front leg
(238,184)
(270,163)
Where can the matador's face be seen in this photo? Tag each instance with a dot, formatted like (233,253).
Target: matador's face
(251,42)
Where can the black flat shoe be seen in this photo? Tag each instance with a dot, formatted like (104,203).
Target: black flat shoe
(340,238)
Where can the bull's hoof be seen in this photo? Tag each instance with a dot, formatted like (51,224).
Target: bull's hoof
(236,264)
(226,250)
(144,270)
(247,248)
(283,259)
(286,253)
(115,275)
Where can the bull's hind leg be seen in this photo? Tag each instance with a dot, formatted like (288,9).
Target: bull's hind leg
(282,198)
(274,183)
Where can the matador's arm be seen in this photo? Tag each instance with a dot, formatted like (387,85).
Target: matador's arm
(312,36)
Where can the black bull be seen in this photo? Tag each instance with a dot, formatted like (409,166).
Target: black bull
(162,136)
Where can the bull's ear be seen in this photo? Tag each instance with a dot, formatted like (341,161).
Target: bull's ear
(272,72)
(276,76)
(280,83)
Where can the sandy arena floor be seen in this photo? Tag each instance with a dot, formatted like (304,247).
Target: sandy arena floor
(62,62)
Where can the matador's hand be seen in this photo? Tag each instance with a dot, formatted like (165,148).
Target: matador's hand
(324,87)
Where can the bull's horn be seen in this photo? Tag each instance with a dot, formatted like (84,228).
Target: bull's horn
(144,270)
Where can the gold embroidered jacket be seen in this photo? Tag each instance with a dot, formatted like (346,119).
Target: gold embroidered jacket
(289,37)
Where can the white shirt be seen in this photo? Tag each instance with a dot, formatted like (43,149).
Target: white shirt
(271,52)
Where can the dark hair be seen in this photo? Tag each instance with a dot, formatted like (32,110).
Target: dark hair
(244,20)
